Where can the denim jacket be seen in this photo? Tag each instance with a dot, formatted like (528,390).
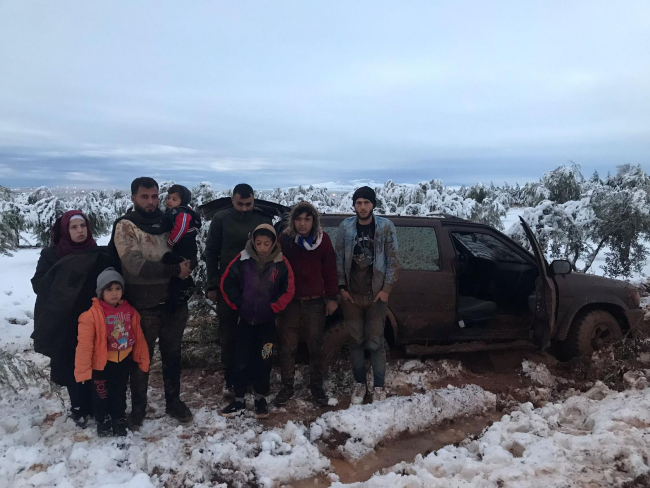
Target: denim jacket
(386,263)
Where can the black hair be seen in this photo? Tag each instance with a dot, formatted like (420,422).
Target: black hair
(143,182)
(243,190)
(264,232)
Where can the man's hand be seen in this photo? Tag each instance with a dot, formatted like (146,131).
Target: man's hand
(382,296)
(185,269)
(212,296)
(345,295)
(331,307)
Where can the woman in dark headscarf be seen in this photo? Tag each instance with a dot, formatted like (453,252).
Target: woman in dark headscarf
(64,283)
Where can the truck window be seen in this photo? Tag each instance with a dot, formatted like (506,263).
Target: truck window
(485,246)
(417,247)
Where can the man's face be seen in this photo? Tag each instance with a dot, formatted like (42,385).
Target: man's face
(363,208)
(243,204)
(304,223)
(146,199)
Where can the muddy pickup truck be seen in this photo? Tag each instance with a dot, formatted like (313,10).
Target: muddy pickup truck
(465,286)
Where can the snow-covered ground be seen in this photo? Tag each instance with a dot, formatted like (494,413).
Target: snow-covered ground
(598,439)
(601,437)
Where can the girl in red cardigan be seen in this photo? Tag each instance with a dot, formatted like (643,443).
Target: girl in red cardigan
(110,340)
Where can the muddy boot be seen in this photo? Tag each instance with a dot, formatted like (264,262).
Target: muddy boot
(284,395)
(234,409)
(105,427)
(378,394)
(135,419)
(319,396)
(261,408)
(177,409)
(119,427)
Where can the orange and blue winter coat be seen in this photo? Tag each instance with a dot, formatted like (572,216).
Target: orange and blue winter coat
(258,288)
(92,346)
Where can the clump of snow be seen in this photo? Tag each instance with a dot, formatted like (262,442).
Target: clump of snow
(599,437)
(637,379)
(368,425)
(538,373)
(421,375)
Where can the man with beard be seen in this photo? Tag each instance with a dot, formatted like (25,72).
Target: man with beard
(140,239)
(229,232)
(367,266)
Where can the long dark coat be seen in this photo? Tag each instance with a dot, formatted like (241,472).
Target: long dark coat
(64,289)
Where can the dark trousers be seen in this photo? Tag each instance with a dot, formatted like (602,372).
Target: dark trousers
(158,323)
(365,320)
(228,319)
(81,398)
(253,357)
(109,389)
(309,316)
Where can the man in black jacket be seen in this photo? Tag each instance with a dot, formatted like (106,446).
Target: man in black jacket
(229,232)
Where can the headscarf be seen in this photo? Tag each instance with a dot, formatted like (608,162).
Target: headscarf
(61,235)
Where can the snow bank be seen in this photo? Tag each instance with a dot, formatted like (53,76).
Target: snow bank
(368,425)
(598,437)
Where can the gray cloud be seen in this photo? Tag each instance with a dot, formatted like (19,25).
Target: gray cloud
(286,93)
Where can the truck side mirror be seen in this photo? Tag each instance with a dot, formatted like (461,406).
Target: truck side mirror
(561,267)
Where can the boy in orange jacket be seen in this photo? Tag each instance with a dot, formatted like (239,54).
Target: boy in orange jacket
(110,340)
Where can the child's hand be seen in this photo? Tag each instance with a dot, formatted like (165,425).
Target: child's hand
(185,270)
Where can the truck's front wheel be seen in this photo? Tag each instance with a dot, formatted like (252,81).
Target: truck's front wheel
(591,332)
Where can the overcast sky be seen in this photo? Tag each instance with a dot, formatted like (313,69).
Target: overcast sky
(278,93)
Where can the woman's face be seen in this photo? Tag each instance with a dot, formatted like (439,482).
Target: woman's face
(78,230)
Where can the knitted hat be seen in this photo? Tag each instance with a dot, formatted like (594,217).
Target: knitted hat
(367,193)
(105,278)
(185,194)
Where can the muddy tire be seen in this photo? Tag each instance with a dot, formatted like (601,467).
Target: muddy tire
(591,332)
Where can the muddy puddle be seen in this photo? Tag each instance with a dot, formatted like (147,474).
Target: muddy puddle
(401,449)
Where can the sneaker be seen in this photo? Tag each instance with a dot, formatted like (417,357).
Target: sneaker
(105,427)
(135,418)
(284,395)
(234,409)
(378,394)
(261,408)
(119,427)
(358,393)
(178,410)
(78,418)
(319,396)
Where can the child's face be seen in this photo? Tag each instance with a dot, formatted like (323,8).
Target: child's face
(113,294)
(263,245)
(173,200)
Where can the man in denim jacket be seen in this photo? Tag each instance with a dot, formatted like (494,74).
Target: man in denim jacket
(367,266)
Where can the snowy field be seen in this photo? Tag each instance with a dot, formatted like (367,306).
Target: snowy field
(597,439)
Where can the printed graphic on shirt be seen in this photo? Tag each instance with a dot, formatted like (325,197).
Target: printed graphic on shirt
(118,331)
(364,249)
(267,350)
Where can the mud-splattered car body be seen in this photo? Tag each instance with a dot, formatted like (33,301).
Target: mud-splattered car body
(466,286)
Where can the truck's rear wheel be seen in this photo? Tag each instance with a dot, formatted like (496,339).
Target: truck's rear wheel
(591,332)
